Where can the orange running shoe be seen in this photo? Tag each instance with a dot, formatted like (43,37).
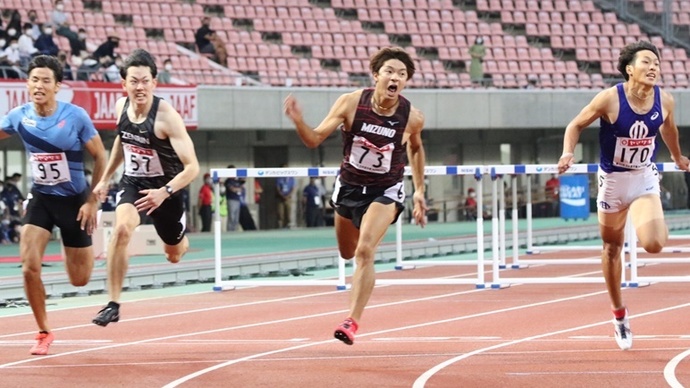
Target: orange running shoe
(346,331)
(44,341)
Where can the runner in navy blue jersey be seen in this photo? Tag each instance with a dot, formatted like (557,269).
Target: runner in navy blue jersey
(631,115)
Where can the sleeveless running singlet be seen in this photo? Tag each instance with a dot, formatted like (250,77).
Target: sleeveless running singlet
(373,151)
(150,162)
(629,143)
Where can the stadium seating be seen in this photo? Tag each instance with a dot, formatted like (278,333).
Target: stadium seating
(562,43)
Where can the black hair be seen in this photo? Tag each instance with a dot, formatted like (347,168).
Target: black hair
(378,59)
(629,54)
(139,57)
(48,61)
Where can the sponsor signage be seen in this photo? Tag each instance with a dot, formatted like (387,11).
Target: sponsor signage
(98,99)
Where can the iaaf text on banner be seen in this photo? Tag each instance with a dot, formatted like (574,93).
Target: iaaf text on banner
(98,99)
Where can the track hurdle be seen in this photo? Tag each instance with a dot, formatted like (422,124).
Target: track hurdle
(339,283)
(497,281)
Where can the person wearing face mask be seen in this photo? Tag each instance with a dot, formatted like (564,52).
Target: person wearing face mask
(477,53)
(14,27)
(35,25)
(45,43)
(164,77)
(9,59)
(107,48)
(26,45)
(471,205)
(60,20)
(78,46)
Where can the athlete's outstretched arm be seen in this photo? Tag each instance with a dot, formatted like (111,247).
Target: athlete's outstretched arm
(115,160)
(592,111)
(417,159)
(344,105)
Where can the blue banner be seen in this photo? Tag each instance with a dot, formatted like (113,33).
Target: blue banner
(574,196)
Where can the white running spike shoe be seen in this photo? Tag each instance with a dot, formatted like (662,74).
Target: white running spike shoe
(622,332)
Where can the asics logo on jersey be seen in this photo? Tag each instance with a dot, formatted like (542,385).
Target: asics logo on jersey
(378,130)
(28,122)
(604,205)
(639,130)
(655,115)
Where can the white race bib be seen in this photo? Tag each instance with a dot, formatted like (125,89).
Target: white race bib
(368,157)
(634,154)
(141,162)
(50,168)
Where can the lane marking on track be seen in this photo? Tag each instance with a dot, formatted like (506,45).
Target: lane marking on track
(250,325)
(422,380)
(670,370)
(425,324)
(254,303)
(592,372)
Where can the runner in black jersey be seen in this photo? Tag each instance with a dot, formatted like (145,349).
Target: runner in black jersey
(379,127)
(159,160)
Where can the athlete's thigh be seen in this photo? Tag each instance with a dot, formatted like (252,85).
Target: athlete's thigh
(612,226)
(376,221)
(347,235)
(32,244)
(647,212)
(79,262)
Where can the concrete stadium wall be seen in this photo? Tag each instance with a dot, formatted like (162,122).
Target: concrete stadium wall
(243,108)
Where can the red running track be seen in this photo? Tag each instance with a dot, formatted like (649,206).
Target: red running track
(410,336)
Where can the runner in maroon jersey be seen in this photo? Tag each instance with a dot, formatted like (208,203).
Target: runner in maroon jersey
(378,126)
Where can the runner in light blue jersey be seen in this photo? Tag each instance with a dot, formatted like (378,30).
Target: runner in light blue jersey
(631,114)
(55,135)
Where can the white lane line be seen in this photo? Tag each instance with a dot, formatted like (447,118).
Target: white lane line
(425,324)
(421,380)
(670,370)
(250,325)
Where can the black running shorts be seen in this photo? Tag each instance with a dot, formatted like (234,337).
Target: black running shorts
(168,219)
(352,201)
(47,211)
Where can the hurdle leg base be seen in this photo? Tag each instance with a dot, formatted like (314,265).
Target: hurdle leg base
(519,266)
(499,286)
(480,286)
(404,267)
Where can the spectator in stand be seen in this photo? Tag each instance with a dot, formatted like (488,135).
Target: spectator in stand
(112,70)
(14,26)
(203,35)
(26,46)
(78,45)
(11,60)
(36,27)
(164,76)
(107,48)
(206,203)
(7,68)
(312,203)
(45,43)
(12,196)
(233,190)
(471,205)
(219,47)
(60,20)
(477,52)
(66,68)
(551,190)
